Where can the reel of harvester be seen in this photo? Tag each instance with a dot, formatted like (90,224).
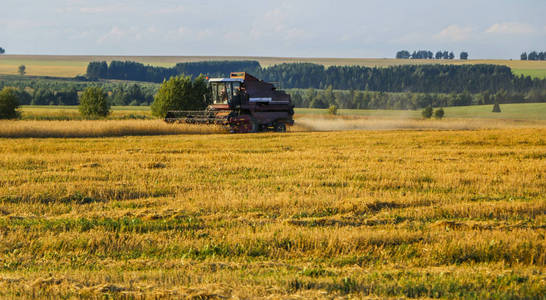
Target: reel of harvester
(195,117)
(231,121)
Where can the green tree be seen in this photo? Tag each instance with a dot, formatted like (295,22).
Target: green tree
(329,97)
(403,54)
(136,94)
(464,55)
(439,113)
(96,70)
(318,102)
(2,50)
(8,103)
(308,97)
(94,103)
(532,56)
(496,107)
(523,56)
(66,96)
(297,100)
(22,70)
(43,96)
(24,97)
(332,110)
(120,96)
(181,93)
(427,112)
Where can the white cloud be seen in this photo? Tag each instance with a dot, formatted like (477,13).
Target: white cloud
(174,10)
(511,28)
(106,9)
(188,34)
(275,25)
(114,34)
(411,37)
(455,33)
(295,34)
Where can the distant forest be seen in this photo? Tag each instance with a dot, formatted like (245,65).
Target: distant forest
(311,85)
(354,99)
(534,55)
(128,70)
(66,91)
(63,91)
(433,78)
(427,54)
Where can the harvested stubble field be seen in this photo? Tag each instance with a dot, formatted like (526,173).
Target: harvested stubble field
(450,214)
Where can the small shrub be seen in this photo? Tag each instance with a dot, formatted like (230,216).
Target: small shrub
(439,113)
(427,112)
(22,70)
(496,108)
(8,103)
(180,93)
(94,103)
(332,110)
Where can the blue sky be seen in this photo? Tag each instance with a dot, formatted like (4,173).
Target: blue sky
(296,28)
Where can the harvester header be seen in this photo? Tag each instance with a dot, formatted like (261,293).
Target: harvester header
(242,103)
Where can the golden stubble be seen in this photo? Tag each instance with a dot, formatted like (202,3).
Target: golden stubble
(308,214)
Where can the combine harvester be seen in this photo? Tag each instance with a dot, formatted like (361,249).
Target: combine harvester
(242,103)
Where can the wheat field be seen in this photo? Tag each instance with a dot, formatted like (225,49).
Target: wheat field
(99,128)
(341,214)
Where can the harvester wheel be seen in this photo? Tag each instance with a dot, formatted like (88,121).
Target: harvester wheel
(280,127)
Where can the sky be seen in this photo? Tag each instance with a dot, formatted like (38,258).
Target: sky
(496,29)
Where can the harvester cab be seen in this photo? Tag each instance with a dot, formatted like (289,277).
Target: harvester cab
(242,103)
(225,90)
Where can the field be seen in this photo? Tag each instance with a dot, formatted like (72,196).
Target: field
(519,111)
(70,66)
(451,214)
(65,121)
(131,207)
(535,73)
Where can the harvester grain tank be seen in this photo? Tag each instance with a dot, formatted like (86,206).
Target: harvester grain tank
(243,104)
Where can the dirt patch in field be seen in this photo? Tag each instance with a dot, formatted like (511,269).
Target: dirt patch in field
(306,123)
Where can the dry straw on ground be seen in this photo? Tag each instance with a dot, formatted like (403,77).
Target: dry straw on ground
(433,214)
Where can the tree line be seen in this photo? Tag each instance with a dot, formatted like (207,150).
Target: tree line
(68,92)
(134,71)
(127,94)
(128,70)
(433,78)
(405,78)
(534,55)
(427,54)
(312,98)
